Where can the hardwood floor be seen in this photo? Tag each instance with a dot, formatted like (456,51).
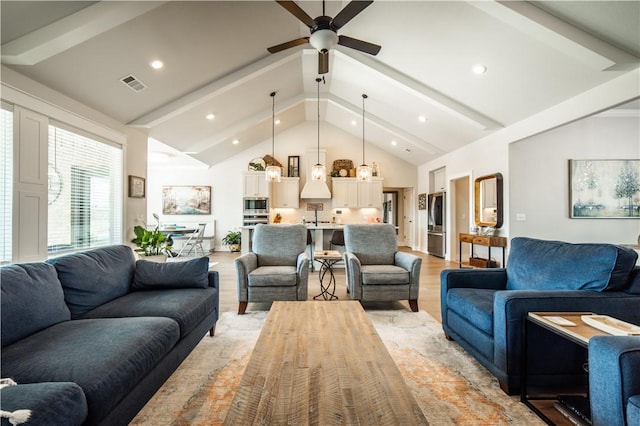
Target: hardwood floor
(429,299)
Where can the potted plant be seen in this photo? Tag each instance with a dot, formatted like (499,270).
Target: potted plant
(151,242)
(233,240)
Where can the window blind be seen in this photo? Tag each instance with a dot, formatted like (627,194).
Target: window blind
(85,192)
(6,184)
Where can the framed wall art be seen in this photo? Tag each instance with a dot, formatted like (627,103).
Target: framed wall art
(604,189)
(422,201)
(294,165)
(136,187)
(187,200)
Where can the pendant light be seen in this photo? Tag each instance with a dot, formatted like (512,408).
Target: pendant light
(273,173)
(318,171)
(363,172)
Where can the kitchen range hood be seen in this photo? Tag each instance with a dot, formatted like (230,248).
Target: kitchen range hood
(315,189)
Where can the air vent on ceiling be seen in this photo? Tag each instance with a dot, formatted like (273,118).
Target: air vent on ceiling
(133,83)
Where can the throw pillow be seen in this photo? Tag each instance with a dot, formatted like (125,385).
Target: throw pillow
(153,275)
(31,300)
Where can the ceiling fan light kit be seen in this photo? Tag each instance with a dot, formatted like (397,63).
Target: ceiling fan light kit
(323,40)
(273,173)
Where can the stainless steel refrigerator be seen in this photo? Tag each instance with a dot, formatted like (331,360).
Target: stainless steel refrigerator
(436,228)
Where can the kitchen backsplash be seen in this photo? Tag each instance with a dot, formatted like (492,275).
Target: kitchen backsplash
(327,214)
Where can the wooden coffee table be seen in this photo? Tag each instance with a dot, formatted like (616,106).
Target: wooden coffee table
(321,363)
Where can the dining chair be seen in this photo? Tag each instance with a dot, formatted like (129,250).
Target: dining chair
(196,240)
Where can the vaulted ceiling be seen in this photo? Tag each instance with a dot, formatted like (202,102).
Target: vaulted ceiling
(536,54)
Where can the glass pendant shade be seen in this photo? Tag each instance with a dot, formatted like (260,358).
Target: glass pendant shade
(273,174)
(363,173)
(319,173)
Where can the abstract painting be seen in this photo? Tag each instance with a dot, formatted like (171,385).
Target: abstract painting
(604,189)
(188,200)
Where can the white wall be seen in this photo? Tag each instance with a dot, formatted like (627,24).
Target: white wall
(226,178)
(478,159)
(535,172)
(539,184)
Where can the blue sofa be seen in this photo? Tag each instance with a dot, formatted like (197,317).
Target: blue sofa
(90,337)
(614,382)
(483,309)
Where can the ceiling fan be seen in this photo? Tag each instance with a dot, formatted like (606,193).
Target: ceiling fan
(324,35)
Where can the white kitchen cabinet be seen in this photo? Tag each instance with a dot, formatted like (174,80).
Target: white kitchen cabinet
(345,193)
(255,185)
(370,194)
(286,193)
(439,179)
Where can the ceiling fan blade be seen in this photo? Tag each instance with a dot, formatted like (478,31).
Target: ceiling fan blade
(287,45)
(323,62)
(349,12)
(296,11)
(363,46)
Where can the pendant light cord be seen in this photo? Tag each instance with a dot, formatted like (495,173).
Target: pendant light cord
(273,124)
(318,81)
(363,98)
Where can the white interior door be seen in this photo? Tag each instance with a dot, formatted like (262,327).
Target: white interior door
(408,217)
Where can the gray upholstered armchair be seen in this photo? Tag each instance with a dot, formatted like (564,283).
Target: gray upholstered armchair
(276,269)
(376,270)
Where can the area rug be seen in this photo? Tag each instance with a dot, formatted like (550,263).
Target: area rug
(449,385)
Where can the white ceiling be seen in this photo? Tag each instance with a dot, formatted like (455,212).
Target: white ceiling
(538,54)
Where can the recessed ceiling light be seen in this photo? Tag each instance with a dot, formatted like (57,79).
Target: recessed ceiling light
(422,119)
(235,141)
(277,122)
(156,65)
(210,116)
(353,122)
(479,69)
(394,143)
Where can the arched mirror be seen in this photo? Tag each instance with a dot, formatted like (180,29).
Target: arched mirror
(488,200)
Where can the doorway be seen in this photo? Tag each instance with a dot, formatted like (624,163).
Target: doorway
(390,207)
(407,217)
(460,208)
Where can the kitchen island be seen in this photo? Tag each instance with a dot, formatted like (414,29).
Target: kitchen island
(321,235)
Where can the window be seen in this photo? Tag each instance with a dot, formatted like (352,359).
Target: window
(85,191)
(6,184)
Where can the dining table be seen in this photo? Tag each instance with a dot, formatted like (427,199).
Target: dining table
(168,231)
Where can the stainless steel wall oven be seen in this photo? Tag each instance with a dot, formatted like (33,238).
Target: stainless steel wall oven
(255,210)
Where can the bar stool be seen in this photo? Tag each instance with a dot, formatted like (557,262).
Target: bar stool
(337,238)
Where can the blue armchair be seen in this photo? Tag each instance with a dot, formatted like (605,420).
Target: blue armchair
(484,310)
(614,382)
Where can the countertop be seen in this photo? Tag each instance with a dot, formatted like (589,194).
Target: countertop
(309,225)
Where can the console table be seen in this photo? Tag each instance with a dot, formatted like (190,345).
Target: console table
(482,240)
